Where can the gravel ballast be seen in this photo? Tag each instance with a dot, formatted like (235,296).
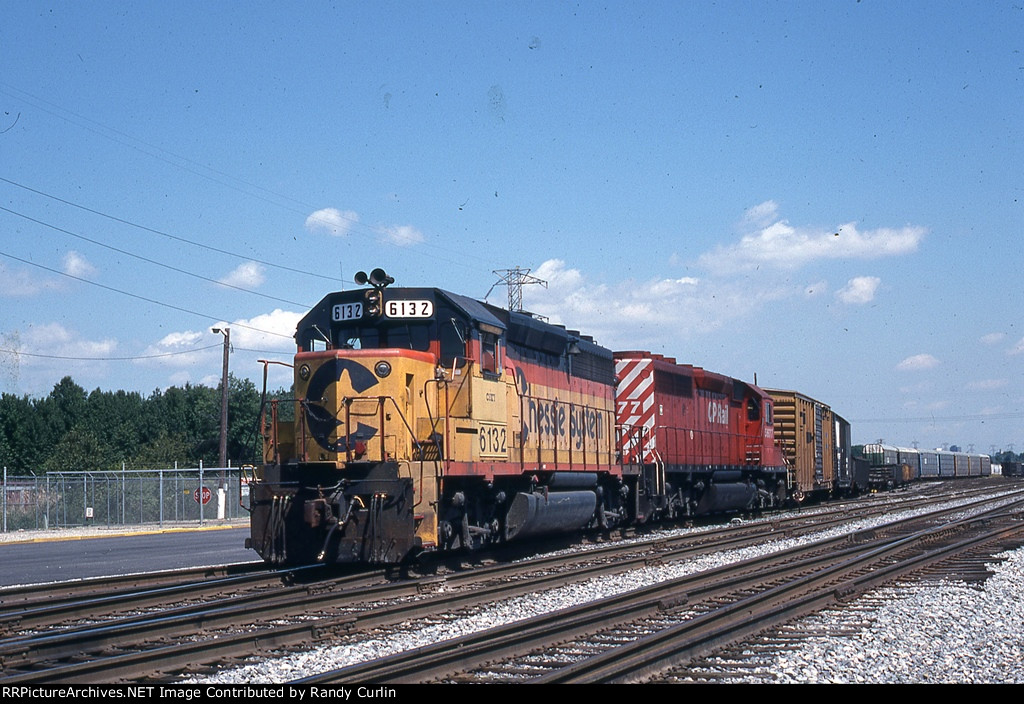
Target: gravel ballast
(943,631)
(926,632)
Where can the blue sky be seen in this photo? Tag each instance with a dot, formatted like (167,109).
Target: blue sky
(824,194)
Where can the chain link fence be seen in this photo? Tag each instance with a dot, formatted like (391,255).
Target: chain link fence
(60,500)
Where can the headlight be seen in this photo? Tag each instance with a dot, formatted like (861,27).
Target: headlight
(382,369)
(304,372)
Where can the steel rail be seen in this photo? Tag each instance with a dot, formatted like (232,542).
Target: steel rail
(227,645)
(441,660)
(752,614)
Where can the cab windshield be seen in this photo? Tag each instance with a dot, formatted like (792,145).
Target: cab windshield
(407,336)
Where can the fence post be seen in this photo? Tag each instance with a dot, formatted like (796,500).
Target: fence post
(5,499)
(200,493)
(161,473)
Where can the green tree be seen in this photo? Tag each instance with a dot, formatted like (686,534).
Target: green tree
(17,416)
(162,452)
(243,418)
(79,450)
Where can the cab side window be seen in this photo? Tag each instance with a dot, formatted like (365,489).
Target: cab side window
(753,411)
(452,344)
(490,353)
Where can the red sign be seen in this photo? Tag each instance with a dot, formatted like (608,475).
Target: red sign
(202,495)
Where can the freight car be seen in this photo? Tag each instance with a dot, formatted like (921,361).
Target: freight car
(423,420)
(893,466)
(1012,469)
(815,443)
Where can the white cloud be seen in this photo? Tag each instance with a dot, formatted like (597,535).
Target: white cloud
(986,384)
(332,221)
(174,349)
(645,314)
(79,353)
(860,289)
(211,380)
(918,362)
(181,378)
(762,215)
(177,341)
(59,341)
(993,338)
(21,283)
(1018,348)
(558,276)
(77,265)
(246,275)
(918,388)
(929,407)
(742,281)
(402,235)
(195,355)
(776,243)
(274,330)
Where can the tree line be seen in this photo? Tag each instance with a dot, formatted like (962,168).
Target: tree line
(72,430)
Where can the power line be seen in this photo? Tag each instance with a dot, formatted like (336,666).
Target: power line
(161,233)
(108,359)
(125,139)
(141,298)
(103,130)
(151,261)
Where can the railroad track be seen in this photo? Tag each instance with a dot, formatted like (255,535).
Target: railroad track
(213,632)
(631,636)
(110,597)
(28,595)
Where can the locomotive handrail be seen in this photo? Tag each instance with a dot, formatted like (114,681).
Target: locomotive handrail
(630,438)
(704,445)
(445,445)
(380,402)
(246,482)
(271,435)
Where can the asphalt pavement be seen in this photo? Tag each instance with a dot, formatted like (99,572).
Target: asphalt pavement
(56,556)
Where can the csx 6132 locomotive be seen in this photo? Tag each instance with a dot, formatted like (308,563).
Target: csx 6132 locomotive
(424,420)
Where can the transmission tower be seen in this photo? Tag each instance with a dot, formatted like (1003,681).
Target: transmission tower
(515,279)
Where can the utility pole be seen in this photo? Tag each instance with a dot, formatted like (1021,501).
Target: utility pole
(226,332)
